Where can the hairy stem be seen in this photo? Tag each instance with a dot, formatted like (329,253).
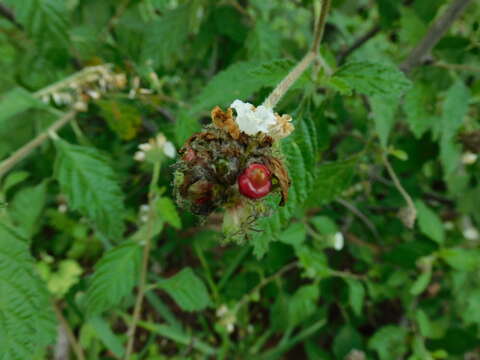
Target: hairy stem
(272,100)
(142,286)
(25,150)
(410,215)
(434,34)
(77,349)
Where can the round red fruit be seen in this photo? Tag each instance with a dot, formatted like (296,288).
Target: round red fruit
(255,181)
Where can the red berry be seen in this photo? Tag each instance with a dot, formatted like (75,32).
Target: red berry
(255,182)
(189,155)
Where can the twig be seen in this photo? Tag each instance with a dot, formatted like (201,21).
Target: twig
(409,216)
(272,100)
(360,215)
(433,36)
(9,15)
(342,56)
(459,67)
(142,286)
(26,149)
(77,349)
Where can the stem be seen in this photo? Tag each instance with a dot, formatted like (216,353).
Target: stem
(142,287)
(361,216)
(77,349)
(26,149)
(411,212)
(8,14)
(457,67)
(342,56)
(272,100)
(434,34)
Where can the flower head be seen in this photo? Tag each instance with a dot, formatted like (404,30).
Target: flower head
(251,119)
(157,146)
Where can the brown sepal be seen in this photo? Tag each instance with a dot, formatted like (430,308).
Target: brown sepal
(224,120)
(278,170)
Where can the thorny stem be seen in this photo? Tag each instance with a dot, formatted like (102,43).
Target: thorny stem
(272,100)
(142,286)
(77,349)
(410,216)
(26,149)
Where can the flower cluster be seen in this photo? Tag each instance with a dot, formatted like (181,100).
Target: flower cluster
(155,148)
(90,83)
(234,164)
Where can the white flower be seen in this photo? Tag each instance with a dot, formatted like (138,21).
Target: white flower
(139,156)
(471,233)
(145,147)
(169,149)
(144,208)
(251,120)
(63,208)
(469,158)
(338,241)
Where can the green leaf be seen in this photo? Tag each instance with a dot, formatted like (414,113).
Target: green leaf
(331,180)
(302,304)
(430,223)
(294,235)
(91,186)
(389,342)
(455,108)
(26,208)
(16,101)
(187,289)
(374,78)
(418,106)
(346,340)
(43,19)
(114,278)
(165,36)
(14,178)
(384,110)
(122,118)
(27,321)
(103,331)
(461,259)
(168,212)
(356,295)
(421,283)
(263,42)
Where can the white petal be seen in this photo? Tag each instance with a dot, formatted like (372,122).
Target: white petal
(251,120)
(169,149)
(338,241)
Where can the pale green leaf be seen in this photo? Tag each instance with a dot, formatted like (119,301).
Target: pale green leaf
(356,295)
(302,304)
(455,108)
(26,208)
(168,212)
(103,331)
(389,342)
(91,186)
(384,110)
(263,42)
(14,178)
(187,289)
(421,283)
(461,259)
(430,223)
(16,101)
(418,106)
(26,317)
(114,278)
(293,235)
(372,79)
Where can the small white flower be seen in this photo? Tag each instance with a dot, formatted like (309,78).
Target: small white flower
(222,311)
(338,241)
(145,147)
(448,225)
(471,233)
(144,208)
(144,218)
(169,149)
(230,327)
(252,120)
(63,208)
(139,156)
(469,158)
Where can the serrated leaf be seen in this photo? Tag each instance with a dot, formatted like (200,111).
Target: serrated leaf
(26,208)
(168,212)
(114,278)
(103,331)
(26,317)
(455,108)
(165,36)
(43,19)
(389,342)
(12,179)
(91,186)
(122,118)
(384,110)
(430,223)
(356,295)
(372,79)
(302,304)
(16,101)
(263,42)
(417,105)
(461,259)
(331,180)
(187,289)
